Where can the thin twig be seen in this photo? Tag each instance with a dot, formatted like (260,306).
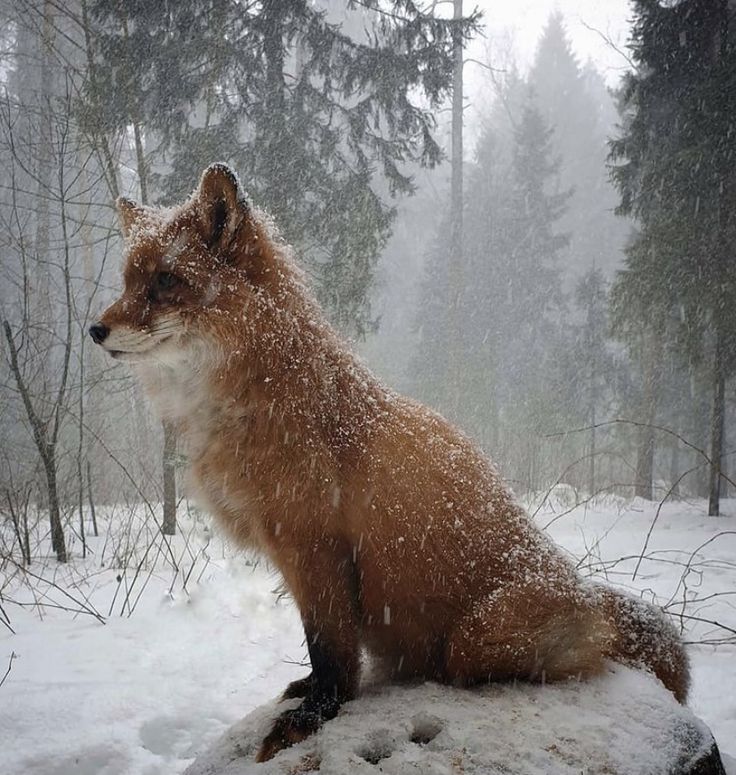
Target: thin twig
(638,424)
(13,655)
(656,516)
(609,42)
(84,607)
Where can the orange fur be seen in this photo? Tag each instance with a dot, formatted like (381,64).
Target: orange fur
(393,532)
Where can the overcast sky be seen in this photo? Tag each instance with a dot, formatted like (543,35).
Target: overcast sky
(523,20)
(513,27)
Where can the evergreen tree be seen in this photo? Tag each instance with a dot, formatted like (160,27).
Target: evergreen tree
(511,302)
(574,101)
(676,175)
(307,114)
(593,361)
(318,122)
(523,300)
(428,364)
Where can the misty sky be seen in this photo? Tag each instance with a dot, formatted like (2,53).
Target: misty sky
(513,27)
(522,21)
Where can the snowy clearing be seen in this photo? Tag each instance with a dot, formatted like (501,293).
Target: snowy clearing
(144,693)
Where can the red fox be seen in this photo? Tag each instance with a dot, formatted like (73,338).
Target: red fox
(394,534)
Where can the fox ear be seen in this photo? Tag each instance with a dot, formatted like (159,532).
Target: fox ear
(128,213)
(222,204)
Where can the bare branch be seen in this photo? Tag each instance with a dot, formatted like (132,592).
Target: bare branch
(13,655)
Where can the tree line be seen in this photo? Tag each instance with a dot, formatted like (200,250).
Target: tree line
(596,335)
(318,105)
(585,336)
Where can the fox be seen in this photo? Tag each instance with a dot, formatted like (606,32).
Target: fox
(394,534)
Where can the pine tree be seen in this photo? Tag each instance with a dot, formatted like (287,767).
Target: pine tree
(304,111)
(511,300)
(593,360)
(676,175)
(317,122)
(575,103)
(524,301)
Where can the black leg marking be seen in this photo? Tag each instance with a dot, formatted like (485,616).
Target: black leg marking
(331,676)
(329,685)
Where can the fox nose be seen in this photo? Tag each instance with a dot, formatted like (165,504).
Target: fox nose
(99,333)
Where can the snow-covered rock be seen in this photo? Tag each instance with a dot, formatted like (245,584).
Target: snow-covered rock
(623,723)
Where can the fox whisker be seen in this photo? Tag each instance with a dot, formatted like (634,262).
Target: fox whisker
(166,330)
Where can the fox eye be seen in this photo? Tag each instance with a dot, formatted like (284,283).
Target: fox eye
(165,281)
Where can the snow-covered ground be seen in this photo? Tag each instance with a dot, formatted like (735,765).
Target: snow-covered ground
(148,689)
(623,722)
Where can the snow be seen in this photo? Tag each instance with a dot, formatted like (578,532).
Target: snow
(623,723)
(144,693)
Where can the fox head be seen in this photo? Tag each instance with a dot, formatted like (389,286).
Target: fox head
(184,266)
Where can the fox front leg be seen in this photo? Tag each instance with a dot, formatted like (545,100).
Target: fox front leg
(327,599)
(331,686)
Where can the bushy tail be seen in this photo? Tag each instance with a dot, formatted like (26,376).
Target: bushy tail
(645,637)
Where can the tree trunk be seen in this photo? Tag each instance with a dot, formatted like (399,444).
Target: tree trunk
(717,430)
(675,470)
(455,283)
(724,258)
(91,500)
(99,134)
(592,453)
(58,542)
(272,136)
(652,364)
(645,464)
(700,430)
(44,170)
(592,344)
(19,516)
(169,474)
(26,534)
(169,523)
(46,449)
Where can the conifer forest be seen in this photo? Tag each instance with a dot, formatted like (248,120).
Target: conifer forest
(531,231)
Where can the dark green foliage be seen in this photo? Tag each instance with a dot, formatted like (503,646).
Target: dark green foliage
(430,363)
(318,122)
(534,356)
(674,167)
(676,172)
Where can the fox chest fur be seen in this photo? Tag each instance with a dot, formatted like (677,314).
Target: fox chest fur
(257,465)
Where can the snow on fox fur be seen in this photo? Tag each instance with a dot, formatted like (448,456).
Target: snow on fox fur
(394,534)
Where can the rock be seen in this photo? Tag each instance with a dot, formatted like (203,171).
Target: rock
(623,723)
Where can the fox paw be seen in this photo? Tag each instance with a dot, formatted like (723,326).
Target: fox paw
(290,727)
(300,688)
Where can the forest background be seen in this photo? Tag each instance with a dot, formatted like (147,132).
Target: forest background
(562,285)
